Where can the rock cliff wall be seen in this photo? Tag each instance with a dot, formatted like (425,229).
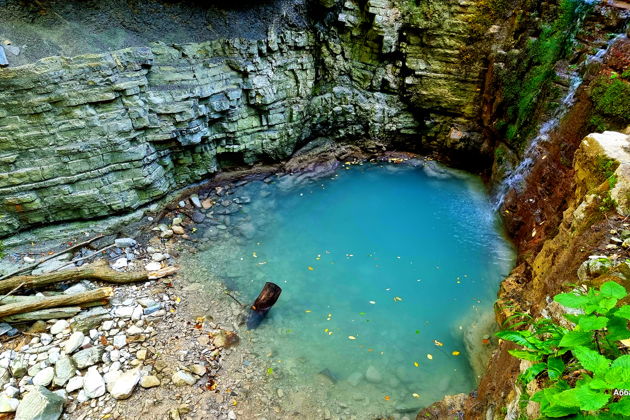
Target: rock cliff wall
(103,134)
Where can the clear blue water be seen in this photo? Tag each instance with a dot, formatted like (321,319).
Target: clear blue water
(385,270)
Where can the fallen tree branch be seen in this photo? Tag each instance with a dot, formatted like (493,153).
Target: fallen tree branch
(50,257)
(102,293)
(96,272)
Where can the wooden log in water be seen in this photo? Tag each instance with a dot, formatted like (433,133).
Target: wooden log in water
(266,299)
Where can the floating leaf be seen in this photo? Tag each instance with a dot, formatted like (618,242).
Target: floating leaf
(310,268)
(325,329)
(415,395)
(455,353)
(269,371)
(308,311)
(397,299)
(429,356)
(373,302)
(417,331)
(416,364)
(438,343)
(254,254)
(387,397)
(351,337)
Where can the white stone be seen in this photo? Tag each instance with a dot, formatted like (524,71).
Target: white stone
(124,311)
(158,256)
(93,383)
(120,263)
(59,326)
(7,404)
(74,383)
(137,313)
(44,377)
(120,341)
(133,330)
(123,386)
(45,339)
(74,342)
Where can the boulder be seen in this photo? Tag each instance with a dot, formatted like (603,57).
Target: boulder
(40,404)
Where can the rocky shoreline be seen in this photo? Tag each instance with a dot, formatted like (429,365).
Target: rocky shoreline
(160,346)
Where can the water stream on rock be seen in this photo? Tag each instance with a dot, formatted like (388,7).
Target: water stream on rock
(387,270)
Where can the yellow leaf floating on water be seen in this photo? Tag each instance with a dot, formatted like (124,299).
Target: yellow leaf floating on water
(352,337)
(416,364)
(397,299)
(455,353)
(308,311)
(254,254)
(310,268)
(437,343)
(429,356)
(325,329)
(415,395)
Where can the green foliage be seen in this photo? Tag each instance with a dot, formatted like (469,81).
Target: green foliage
(579,367)
(529,80)
(1,249)
(611,97)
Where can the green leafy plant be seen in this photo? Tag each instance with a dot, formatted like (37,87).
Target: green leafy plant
(577,368)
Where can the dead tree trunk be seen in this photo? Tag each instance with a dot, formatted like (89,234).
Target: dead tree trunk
(102,294)
(266,299)
(96,271)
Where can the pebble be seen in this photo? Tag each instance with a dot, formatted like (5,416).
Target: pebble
(87,357)
(59,326)
(120,263)
(123,386)
(44,377)
(178,230)
(194,199)
(93,383)
(149,381)
(8,404)
(153,266)
(125,242)
(74,342)
(181,378)
(74,384)
(120,341)
(45,339)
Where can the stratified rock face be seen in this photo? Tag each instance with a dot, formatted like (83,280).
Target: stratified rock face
(104,134)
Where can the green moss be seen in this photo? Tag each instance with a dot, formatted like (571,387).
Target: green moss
(531,72)
(611,98)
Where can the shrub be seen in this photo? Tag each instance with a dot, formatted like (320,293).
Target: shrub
(578,368)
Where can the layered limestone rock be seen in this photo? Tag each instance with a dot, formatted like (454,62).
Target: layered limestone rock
(105,134)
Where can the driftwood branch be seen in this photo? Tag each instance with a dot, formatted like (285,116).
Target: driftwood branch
(50,257)
(103,293)
(95,272)
(98,271)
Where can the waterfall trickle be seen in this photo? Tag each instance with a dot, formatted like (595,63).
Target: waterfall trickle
(515,180)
